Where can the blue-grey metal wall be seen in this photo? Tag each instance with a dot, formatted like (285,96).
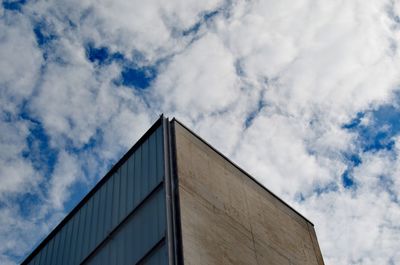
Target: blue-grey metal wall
(143,230)
(123,221)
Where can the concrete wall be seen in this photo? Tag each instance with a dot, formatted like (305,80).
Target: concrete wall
(227,218)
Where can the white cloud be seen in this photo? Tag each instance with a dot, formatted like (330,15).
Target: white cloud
(268,83)
(356,229)
(66,172)
(20,61)
(199,81)
(282,161)
(333,56)
(72,103)
(127,26)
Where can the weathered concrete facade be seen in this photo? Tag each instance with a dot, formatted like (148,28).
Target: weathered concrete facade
(228,218)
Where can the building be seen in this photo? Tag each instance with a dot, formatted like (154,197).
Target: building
(174,199)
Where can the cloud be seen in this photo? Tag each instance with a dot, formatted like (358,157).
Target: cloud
(16,173)
(198,81)
(19,55)
(302,95)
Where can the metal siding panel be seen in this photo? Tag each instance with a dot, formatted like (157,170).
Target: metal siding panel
(142,220)
(108,206)
(106,256)
(81,236)
(145,168)
(86,231)
(117,249)
(154,221)
(44,256)
(135,239)
(99,234)
(67,257)
(35,261)
(102,214)
(115,196)
(94,222)
(152,160)
(32,262)
(113,252)
(146,222)
(49,252)
(109,189)
(138,171)
(133,242)
(53,250)
(56,249)
(77,229)
(158,257)
(119,208)
(102,259)
(74,234)
(123,191)
(131,183)
(40,254)
(122,249)
(120,243)
(61,246)
(160,154)
(65,244)
(128,245)
(162,220)
(97,260)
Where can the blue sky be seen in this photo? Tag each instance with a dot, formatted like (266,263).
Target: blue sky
(304,96)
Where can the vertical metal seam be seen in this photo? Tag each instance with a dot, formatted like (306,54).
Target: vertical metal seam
(176,201)
(174,234)
(168,195)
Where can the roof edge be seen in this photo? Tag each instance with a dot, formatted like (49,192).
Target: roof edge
(242,170)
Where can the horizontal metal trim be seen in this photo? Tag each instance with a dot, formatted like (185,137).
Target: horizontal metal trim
(115,230)
(148,254)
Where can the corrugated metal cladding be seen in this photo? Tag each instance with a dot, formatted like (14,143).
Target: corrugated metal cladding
(123,222)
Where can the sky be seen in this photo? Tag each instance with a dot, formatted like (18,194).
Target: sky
(304,95)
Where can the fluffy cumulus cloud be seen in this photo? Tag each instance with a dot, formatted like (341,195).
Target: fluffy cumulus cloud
(304,95)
